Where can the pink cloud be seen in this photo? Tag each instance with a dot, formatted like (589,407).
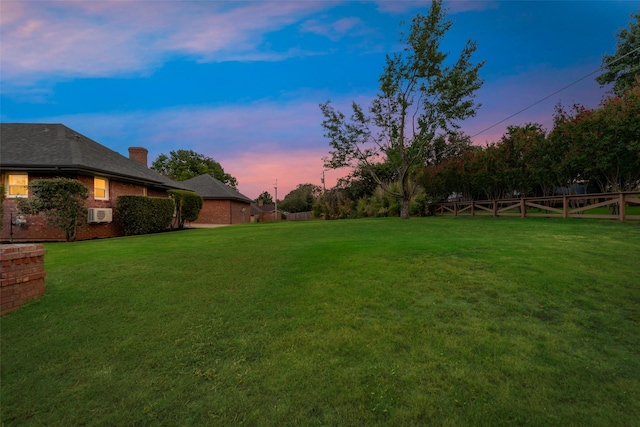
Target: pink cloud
(54,37)
(259,173)
(113,38)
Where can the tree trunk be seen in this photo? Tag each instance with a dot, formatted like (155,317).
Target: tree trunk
(70,235)
(404,210)
(406,196)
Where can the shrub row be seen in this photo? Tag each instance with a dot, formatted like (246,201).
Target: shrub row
(144,215)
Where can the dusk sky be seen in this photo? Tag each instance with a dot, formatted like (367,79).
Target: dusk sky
(241,81)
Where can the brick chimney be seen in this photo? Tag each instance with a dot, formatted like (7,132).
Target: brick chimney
(139,154)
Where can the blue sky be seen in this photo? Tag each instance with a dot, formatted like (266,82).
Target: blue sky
(241,81)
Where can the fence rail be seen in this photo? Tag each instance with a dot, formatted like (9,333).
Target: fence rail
(616,206)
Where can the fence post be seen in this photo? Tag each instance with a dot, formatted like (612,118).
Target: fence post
(495,208)
(455,208)
(523,208)
(622,204)
(473,204)
(565,207)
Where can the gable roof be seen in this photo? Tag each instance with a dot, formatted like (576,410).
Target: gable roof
(257,209)
(212,189)
(55,147)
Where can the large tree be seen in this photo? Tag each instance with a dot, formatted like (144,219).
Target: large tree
(301,199)
(422,95)
(603,144)
(265,198)
(181,165)
(623,67)
(62,200)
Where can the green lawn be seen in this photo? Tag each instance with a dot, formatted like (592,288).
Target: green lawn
(431,321)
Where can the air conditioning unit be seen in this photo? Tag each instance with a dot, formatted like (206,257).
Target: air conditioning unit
(97,215)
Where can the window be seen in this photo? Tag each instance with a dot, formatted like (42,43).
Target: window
(100,188)
(17,185)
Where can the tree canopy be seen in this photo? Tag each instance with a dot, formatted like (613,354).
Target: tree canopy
(181,165)
(301,199)
(422,95)
(265,197)
(596,148)
(623,67)
(62,200)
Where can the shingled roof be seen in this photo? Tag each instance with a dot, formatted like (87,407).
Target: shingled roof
(212,189)
(55,147)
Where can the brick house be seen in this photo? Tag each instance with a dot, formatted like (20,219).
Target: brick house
(40,151)
(263,213)
(222,204)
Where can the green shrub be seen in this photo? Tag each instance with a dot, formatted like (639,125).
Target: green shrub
(188,205)
(419,205)
(144,215)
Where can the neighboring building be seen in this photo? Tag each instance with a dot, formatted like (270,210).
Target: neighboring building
(40,151)
(222,204)
(263,213)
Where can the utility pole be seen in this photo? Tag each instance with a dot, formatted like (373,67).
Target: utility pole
(275,214)
(324,188)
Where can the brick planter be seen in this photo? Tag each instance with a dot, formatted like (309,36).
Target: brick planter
(22,275)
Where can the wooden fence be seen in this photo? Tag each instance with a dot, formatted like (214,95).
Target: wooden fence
(621,206)
(300,216)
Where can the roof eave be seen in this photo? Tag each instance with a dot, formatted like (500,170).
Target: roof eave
(89,171)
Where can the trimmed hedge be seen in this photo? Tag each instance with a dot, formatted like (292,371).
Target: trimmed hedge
(188,205)
(144,215)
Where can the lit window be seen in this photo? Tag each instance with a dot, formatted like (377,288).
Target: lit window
(100,188)
(17,185)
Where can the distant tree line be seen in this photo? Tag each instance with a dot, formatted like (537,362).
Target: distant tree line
(594,149)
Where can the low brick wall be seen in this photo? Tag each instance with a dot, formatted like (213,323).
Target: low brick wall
(22,275)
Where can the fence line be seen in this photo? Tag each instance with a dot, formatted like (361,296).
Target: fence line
(570,206)
(299,216)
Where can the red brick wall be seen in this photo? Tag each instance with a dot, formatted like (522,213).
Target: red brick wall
(38,229)
(267,216)
(240,212)
(22,277)
(224,212)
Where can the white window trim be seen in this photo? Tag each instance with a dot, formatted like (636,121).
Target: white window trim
(106,189)
(8,187)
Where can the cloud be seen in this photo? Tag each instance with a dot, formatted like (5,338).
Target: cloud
(335,30)
(397,7)
(56,38)
(453,6)
(259,173)
(100,39)
(458,6)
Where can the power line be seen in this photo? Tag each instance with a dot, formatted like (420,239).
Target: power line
(555,93)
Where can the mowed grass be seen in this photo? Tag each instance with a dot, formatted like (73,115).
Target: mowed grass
(431,321)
